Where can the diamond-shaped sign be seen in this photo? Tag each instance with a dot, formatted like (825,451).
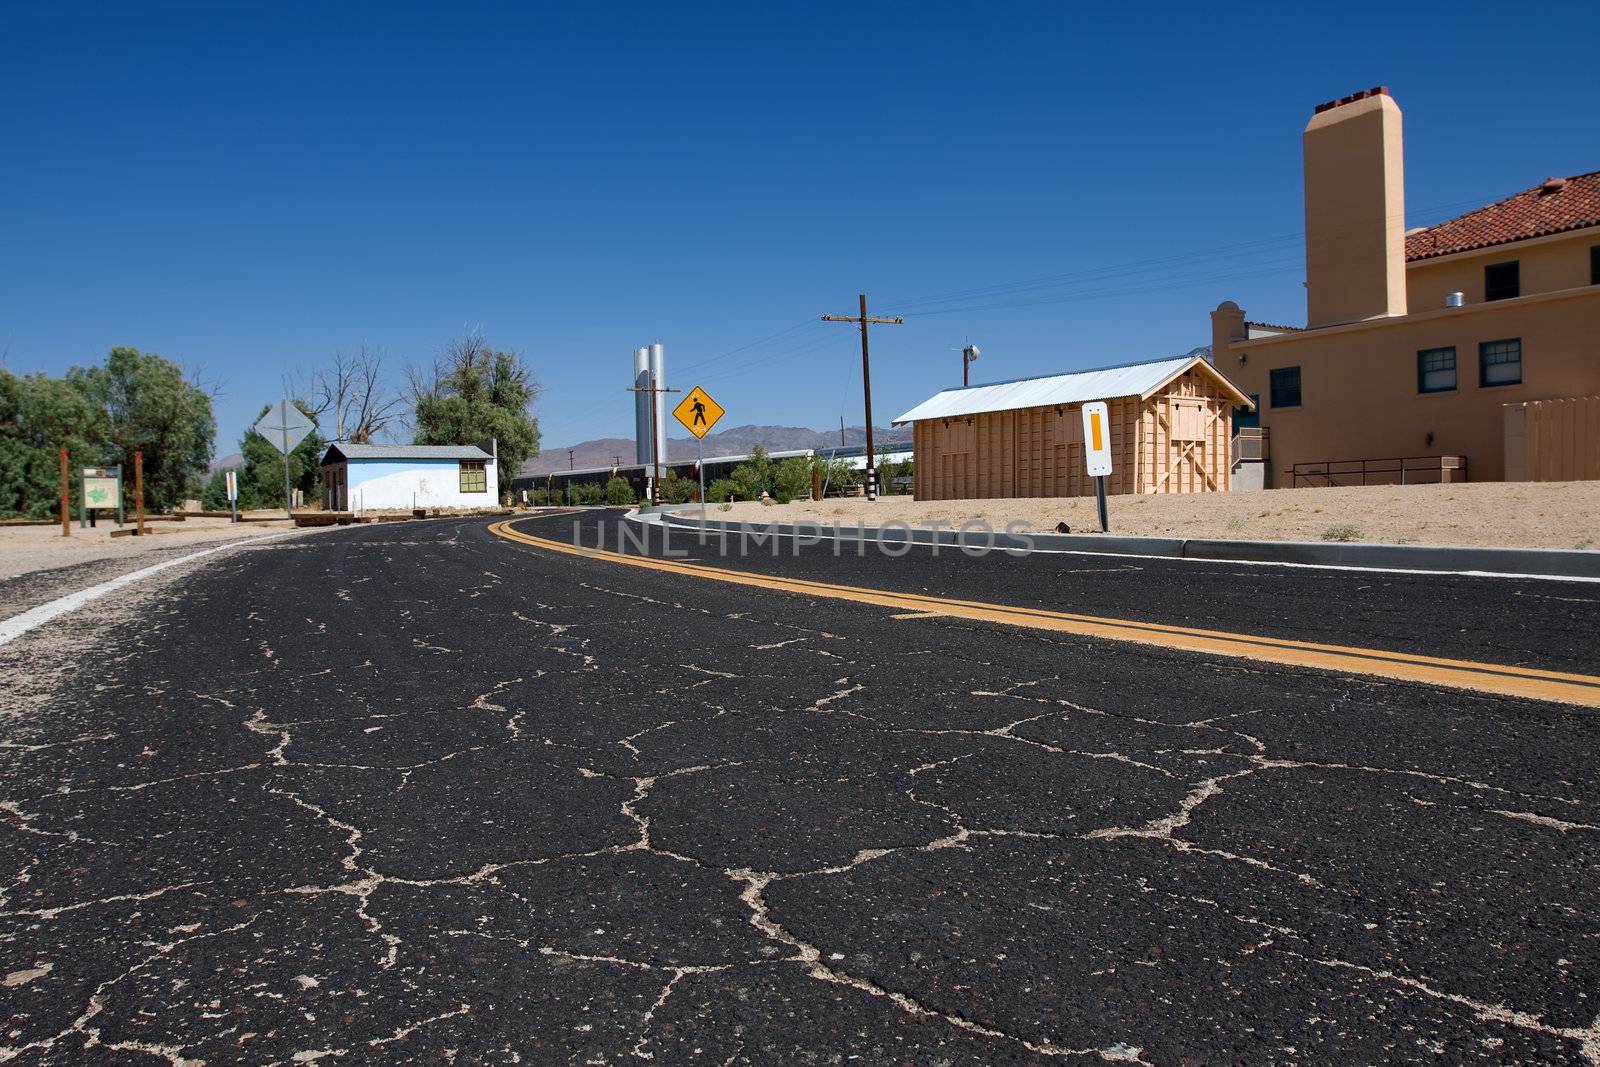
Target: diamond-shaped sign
(698,412)
(284,425)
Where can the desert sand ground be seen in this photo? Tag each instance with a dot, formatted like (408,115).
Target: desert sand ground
(1492,514)
(36,548)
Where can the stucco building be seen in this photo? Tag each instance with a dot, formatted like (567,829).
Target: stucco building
(388,477)
(1433,346)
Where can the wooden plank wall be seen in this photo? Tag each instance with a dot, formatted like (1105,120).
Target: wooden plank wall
(1563,439)
(1039,451)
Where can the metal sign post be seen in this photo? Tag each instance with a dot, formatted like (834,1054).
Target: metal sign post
(1097,452)
(284,426)
(698,413)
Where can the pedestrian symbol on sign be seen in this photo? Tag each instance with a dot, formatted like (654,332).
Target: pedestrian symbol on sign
(698,412)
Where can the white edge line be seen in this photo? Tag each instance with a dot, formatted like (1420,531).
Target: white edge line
(33,618)
(659,520)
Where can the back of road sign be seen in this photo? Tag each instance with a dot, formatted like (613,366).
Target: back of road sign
(1097,438)
(284,425)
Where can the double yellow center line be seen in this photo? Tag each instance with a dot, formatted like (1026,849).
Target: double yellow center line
(1494,678)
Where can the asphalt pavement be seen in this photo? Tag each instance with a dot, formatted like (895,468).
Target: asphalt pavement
(413,792)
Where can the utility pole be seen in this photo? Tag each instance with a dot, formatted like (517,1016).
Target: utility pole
(866,379)
(968,354)
(571,463)
(655,452)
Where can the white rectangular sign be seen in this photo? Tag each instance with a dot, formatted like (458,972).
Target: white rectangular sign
(1097,438)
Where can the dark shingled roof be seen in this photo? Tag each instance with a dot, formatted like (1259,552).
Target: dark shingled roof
(350,451)
(1555,205)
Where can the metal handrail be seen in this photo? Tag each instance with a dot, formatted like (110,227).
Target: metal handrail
(1407,469)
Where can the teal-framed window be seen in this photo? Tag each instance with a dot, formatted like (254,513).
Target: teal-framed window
(1502,281)
(1500,362)
(1284,385)
(1436,370)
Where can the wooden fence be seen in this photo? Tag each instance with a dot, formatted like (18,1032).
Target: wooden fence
(1553,440)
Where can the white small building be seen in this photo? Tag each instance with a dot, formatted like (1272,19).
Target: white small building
(384,477)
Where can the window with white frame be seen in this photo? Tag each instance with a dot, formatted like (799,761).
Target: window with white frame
(1500,362)
(1436,370)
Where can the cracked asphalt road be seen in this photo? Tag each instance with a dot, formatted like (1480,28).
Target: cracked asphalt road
(411,792)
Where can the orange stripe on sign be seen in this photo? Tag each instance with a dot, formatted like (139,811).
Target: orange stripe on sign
(1094,426)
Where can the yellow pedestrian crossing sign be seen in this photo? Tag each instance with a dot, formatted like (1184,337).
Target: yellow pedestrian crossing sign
(698,412)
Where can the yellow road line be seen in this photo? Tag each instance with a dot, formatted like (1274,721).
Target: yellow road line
(1495,678)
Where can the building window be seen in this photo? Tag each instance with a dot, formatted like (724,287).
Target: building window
(1502,281)
(1500,362)
(474,476)
(1436,370)
(1250,416)
(1285,382)
(1594,265)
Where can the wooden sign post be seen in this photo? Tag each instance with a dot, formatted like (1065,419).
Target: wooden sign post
(138,494)
(66,498)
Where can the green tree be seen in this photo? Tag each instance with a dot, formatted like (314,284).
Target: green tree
(722,490)
(791,479)
(475,393)
(261,480)
(39,416)
(618,491)
(214,497)
(837,476)
(677,490)
(752,479)
(889,471)
(151,407)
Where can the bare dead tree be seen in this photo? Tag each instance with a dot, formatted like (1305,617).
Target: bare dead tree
(353,391)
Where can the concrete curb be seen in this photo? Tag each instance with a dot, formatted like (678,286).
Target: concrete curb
(1549,562)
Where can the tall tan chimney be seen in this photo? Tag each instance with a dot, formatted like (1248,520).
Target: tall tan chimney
(1355,210)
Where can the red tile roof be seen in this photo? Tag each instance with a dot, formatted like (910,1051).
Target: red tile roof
(1553,206)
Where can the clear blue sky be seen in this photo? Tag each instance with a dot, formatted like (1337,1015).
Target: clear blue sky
(251,190)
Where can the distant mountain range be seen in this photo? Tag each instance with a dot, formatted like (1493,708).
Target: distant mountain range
(737,441)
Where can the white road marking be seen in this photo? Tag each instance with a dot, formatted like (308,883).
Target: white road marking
(822,534)
(33,618)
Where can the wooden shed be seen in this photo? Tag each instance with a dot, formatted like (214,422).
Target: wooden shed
(1171,431)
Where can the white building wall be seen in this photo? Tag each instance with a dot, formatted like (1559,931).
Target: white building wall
(422,483)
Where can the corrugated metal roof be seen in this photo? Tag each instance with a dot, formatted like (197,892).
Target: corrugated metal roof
(1133,379)
(351,451)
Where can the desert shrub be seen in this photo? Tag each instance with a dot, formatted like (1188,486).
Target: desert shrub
(1342,532)
(722,490)
(618,491)
(791,480)
(676,490)
(888,472)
